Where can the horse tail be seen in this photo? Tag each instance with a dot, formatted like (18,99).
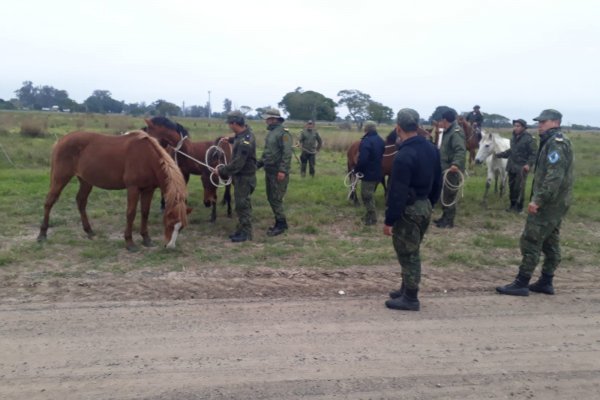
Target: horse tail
(176,189)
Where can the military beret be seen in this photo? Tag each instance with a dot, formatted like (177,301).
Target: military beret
(549,114)
(520,121)
(369,126)
(408,119)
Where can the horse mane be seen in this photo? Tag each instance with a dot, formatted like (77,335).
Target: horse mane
(176,191)
(391,137)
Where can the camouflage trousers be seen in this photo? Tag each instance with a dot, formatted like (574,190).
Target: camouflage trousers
(243,187)
(516,187)
(540,235)
(408,232)
(449,197)
(310,159)
(275,192)
(367,190)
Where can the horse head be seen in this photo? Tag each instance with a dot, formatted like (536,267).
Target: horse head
(486,147)
(174,220)
(165,131)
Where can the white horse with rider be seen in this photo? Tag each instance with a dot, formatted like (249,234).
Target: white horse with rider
(490,145)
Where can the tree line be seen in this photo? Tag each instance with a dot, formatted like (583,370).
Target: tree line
(298,104)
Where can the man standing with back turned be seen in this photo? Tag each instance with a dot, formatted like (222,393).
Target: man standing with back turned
(550,201)
(276,159)
(415,187)
(370,154)
(310,144)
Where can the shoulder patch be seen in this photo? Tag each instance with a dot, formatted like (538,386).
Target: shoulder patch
(559,139)
(285,138)
(553,157)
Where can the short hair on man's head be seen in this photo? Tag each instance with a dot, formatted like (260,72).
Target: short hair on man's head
(449,115)
(236,117)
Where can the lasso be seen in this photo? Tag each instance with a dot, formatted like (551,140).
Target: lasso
(452,187)
(391,154)
(213,171)
(351,180)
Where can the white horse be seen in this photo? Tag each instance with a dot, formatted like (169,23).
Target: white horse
(492,143)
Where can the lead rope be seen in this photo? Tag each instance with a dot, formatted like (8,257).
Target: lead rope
(351,181)
(221,182)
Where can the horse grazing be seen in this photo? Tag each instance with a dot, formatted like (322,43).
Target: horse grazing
(491,144)
(195,158)
(133,161)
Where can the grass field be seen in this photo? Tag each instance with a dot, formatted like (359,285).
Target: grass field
(325,230)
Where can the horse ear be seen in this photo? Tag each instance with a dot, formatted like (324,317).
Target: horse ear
(148,122)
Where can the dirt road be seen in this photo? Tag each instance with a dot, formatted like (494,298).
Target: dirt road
(460,346)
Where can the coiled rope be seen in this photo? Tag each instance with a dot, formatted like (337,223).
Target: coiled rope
(447,185)
(213,171)
(351,181)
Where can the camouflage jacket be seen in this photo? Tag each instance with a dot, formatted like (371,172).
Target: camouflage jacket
(243,160)
(453,149)
(310,141)
(553,174)
(523,150)
(277,156)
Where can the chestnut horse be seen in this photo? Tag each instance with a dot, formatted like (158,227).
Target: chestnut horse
(188,154)
(133,161)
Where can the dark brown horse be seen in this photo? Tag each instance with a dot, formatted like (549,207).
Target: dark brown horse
(192,158)
(133,161)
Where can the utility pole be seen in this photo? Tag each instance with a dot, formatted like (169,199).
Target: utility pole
(209,109)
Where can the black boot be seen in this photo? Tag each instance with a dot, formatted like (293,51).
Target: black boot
(519,287)
(397,293)
(236,233)
(445,223)
(543,284)
(512,206)
(241,237)
(280,227)
(408,301)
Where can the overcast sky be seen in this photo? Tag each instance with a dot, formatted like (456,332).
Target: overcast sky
(514,58)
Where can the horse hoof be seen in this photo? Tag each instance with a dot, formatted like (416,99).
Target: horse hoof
(41,238)
(91,234)
(148,243)
(133,248)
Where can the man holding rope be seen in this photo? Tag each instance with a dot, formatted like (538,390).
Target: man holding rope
(521,158)
(242,169)
(310,144)
(452,154)
(370,154)
(415,187)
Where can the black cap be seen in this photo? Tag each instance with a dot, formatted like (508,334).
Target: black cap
(520,121)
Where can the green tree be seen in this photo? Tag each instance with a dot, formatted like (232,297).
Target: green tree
(226,106)
(496,121)
(379,113)
(101,101)
(39,97)
(356,102)
(164,109)
(6,105)
(308,105)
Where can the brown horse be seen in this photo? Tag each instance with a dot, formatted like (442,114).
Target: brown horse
(133,161)
(192,158)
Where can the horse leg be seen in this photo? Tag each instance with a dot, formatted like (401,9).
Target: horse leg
(227,199)
(213,211)
(145,201)
(56,187)
(488,183)
(133,195)
(82,198)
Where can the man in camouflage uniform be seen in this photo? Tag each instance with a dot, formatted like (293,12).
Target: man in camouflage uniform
(276,159)
(452,154)
(415,186)
(550,201)
(521,157)
(310,143)
(370,155)
(242,169)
